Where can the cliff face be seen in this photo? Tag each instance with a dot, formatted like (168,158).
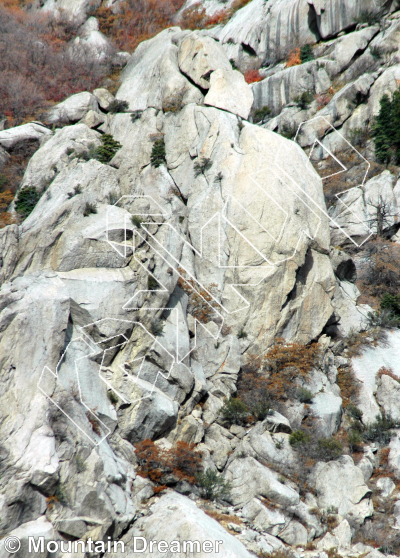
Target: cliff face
(165,284)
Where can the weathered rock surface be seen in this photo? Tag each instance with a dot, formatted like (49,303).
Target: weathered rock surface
(14,136)
(70,10)
(366,368)
(157,57)
(72,109)
(92,41)
(199,56)
(357,212)
(176,518)
(229,91)
(388,396)
(103,97)
(341,484)
(101,334)
(249,478)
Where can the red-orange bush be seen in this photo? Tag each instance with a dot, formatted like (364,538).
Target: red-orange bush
(251,76)
(294,58)
(182,461)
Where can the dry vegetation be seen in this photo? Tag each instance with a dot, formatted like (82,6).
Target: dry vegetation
(349,386)
(252,76)
(294,58)
(271,377)
(380,272)
(166,467)
(356,169)
(201,304)
(36,68)
(139,20)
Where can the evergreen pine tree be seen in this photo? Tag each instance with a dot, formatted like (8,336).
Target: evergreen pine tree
(396,125)
(383,131)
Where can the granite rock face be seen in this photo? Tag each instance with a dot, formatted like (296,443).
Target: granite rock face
(139,291)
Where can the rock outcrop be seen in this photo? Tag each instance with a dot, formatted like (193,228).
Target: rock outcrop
(169,246)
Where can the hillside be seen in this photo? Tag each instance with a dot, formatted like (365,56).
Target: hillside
(199,279)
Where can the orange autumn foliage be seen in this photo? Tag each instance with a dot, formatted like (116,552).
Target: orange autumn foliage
(252,76)
(294,58)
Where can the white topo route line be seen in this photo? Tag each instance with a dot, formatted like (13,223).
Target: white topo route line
(142,233)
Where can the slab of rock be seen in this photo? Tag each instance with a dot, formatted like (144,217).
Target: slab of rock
(331,21)
(9,251)
(340,537)
(348,314)
(72,109)
(341,484)
(199,56)
(249,479)
(265,519)
(366,367)
(13,136)
(328,408)
(93,119)
(388,396)
(103,97)
(70,10)
(386,486)
(92,41)
(35,529)
(355,213)
(53,154)
(294,534)
(269,30)
(229,91)
(171,90)
(174,517)
(280,89)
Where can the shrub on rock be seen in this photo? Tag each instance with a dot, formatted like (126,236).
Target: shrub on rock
(109,147)
(158,155)
(26,201)
(212,485)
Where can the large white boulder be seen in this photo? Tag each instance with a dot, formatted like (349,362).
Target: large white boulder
(248,478)
(366,367)
(72,109)
(229,91)
(171,90)
(341,484)
(70,10)
(174,517)
(388,396)
(199,56)
(92,41)
(32,131)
